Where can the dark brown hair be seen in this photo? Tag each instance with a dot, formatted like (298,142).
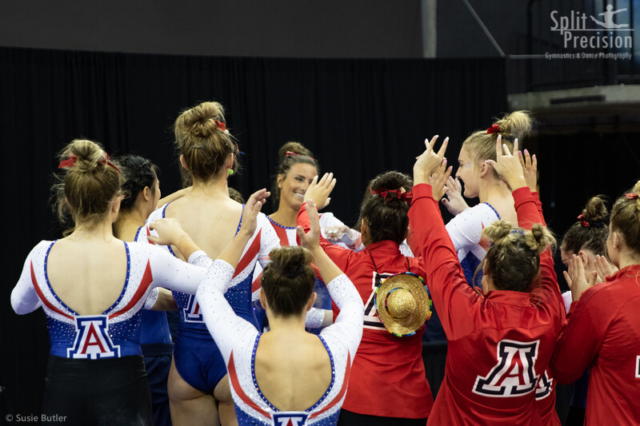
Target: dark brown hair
(85,190)
(625,219)
(288,281)
(139,173)
(513,261)
(299,155)
(202,141)
(387,218)
(591,231)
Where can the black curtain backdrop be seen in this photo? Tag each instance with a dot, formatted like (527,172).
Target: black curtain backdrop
(359,117)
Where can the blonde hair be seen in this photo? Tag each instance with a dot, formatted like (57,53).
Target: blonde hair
(513,261)
(625,218)
(481,145)
(202,141)
(88,186)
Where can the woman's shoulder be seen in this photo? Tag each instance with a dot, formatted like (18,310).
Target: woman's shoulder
(40,250)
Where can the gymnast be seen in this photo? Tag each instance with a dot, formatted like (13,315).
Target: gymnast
(296,169)
(500,341)
(602,332)
(198,385)
(92,287)
(388,386)
(141,197)
(480,180)
(285,376)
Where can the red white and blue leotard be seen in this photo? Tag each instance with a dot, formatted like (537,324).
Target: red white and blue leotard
(257,251)
(116,332)
(238,341)
(196,356)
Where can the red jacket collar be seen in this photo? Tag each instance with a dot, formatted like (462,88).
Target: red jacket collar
(629,271)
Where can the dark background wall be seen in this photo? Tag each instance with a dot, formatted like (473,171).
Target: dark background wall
(285,28)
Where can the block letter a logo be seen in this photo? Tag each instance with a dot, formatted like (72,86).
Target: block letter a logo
(514,373)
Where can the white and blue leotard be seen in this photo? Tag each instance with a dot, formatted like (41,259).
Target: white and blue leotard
(115,332)
(238,340)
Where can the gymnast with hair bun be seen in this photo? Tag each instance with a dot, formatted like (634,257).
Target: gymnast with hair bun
(285,376)
(481,180)
(602,332)
(296,169)
(198,384)
(92,287)
(586,238)
(388,383)
(500,340)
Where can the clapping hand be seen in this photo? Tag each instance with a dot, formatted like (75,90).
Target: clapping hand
(319,191)
(577,279)
(604,268)
(251,209)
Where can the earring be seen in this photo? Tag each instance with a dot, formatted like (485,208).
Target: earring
(230,172)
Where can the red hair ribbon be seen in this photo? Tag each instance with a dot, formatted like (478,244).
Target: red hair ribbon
(295,154)
(631,196)
(495,128)
(71,161)
(220,125)
(583,221)
(386,194)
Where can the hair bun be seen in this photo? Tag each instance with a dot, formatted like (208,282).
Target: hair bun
(200,121)
(541,238)
(497,231)
(295,147)
(596,209)
(515,125)
(289,260)
(89,155)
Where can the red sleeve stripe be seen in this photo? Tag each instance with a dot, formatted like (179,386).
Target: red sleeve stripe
(343,390)
(248,257)
(235,383)
(147,278)
(46,302)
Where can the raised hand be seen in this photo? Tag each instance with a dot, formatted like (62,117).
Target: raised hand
(251,209)
(428,163)
(530,167)
(454,201)
(508,166)
(310,240)
(577,279)
(604,268)
(319,191)
(439,179)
